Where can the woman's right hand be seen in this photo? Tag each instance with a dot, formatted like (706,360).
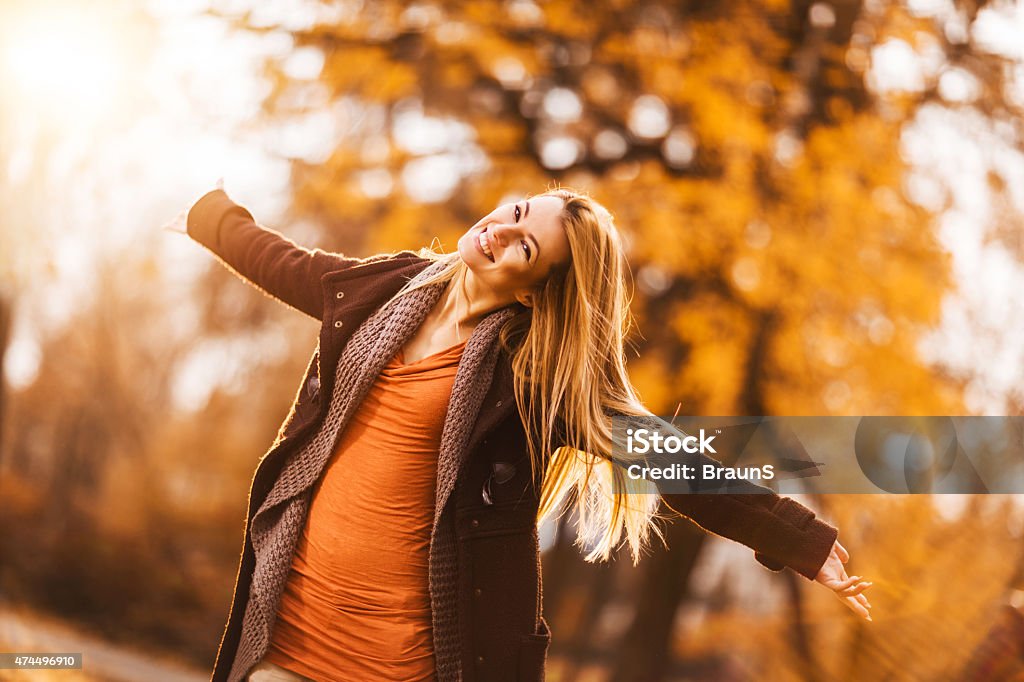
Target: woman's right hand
(179,223)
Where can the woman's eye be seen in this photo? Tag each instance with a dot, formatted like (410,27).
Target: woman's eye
(518,211)
(526,249)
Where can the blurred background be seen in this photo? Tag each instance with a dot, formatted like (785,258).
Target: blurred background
(823,208)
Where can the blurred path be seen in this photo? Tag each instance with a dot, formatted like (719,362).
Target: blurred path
(23,630)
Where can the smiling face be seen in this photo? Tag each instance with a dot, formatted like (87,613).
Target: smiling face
(514,248)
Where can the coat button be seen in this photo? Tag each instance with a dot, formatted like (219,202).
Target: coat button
(337,324)
(340,294)
(498,404)
(503,472)
(477,592)
(475,523)
(312,386)
(480,660)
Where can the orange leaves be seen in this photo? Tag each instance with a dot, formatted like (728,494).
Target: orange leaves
(750,181)
(368,70)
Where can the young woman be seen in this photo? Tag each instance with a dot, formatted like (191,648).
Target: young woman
(452,402)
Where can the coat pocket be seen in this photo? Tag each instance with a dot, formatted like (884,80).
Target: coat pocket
(533,651)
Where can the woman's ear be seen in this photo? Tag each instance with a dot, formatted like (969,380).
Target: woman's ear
(525,297)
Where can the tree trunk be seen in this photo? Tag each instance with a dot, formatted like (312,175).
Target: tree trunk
(6,318)
(646,650)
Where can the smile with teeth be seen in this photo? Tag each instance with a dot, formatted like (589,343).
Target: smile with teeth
(485,244)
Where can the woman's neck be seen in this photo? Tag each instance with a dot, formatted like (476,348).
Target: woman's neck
(465,303)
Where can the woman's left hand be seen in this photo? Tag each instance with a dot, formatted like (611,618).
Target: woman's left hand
(849,589)
(179,223)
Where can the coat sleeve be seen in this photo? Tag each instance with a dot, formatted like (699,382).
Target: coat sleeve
(781,531)
(262,256)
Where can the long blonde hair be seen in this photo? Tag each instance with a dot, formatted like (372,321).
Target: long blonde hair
(569,370)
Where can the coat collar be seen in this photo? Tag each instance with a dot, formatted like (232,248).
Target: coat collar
(395,271)
(413,264)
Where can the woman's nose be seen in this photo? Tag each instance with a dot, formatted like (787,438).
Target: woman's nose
(503,233)
(498,234)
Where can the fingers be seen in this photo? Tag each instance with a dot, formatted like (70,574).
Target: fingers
(854,590)
(857,607)
(844,583)
(177,223)
(849,589)
(851,592)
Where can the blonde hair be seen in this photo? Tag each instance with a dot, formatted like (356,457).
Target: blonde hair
(569,369)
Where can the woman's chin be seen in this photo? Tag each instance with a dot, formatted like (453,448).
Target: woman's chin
(462,253)
(467,254)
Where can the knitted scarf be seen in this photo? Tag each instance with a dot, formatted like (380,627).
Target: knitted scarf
(278,523)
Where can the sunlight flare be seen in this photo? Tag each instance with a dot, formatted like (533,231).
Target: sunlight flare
(63,64)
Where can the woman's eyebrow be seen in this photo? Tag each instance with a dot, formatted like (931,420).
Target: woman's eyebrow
(533,239)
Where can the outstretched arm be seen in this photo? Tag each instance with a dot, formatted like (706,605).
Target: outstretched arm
(262,256)
(781,531)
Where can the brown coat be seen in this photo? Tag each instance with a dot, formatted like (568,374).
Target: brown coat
(504,636)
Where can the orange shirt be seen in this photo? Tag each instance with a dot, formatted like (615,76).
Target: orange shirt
(357,602)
